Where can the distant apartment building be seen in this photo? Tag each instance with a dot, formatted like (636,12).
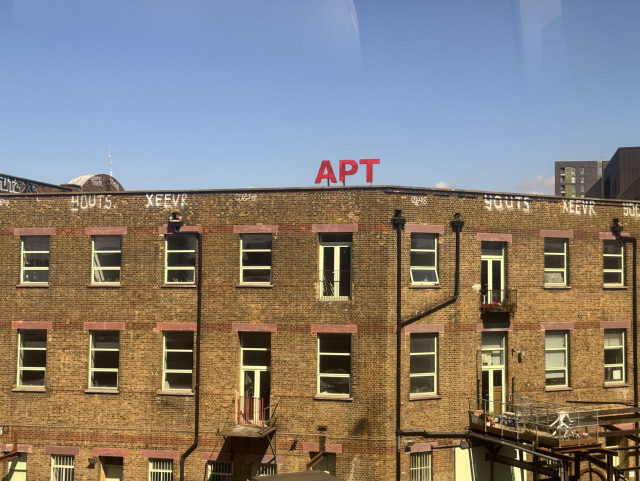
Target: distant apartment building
(574,178)
(620,178)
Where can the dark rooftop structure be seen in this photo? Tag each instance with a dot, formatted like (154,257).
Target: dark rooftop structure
(620,178)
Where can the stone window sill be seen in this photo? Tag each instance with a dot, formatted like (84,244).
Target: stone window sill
(176,393)
(325,397)
(616,385)
(613,288)
(35,285)
(108,286)
(558,389)
(101,391)
(418,286)
(179,286)
(259,286)
(556,287)
(423,397)
(28,389)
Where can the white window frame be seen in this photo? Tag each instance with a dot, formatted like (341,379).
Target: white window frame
(556,269)
(263,469)
(62,467)
(420,466)
(243,268)
(565,350)
(622,365)
(17,468)
(177,268)
(21,368)
(163,471)
(94,369)
(433,374)
(219,471)
(166,371)
(336,269)
(348,376)
(95,268)
(22,259)
(621,271)
(433,268)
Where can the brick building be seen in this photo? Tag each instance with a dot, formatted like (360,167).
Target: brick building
(574,178)
(297,326)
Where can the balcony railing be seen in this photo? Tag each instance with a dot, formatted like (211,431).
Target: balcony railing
(251,411)
(495,300)
(335,284)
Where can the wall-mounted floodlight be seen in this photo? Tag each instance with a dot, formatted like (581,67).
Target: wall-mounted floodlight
(175,220)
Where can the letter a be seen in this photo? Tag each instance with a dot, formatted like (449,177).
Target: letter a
(326,165)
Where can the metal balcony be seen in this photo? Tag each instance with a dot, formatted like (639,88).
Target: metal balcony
(493,300)
(335,285)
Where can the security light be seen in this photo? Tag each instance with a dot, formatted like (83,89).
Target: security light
(175,219)
(616,228)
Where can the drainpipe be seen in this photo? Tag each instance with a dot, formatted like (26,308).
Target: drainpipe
(616,230)
(398,222)
(196,429)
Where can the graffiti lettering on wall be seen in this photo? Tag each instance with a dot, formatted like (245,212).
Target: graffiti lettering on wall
(4,202)
(578,207)
(631,210)
(507,202)
(246,197)
(415,200)
(96,201)
(15,186)
(166,201)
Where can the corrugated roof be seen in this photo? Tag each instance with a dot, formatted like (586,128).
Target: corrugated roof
(81,179)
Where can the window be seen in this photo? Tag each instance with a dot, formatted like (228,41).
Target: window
(614,442)
(32,357)
(178,361)
(424,258)
(423,371)
(263,470)
(61,468)
(556,350)
(562,170)
(582,179)
(326,464)
(420,466)
(613,263)
(582,171)
(582,189)
(161,470)
(104,359)
(614,368)
(555,261)
(35,260)
(255,259)
(180,260)
(219,471)
(17,468)
(334,364)
(335,264)
(562,179)
(599,171)
(107,258)
(255,375)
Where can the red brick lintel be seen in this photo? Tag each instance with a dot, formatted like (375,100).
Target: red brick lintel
(334,328)
(615,324)
(105,230)
(34,231)
(334,228)
(22,448)
(103,326)
(415,328)
(176,326)
(556,326)
(62,450)
(185,229)
(328,448)
(498,326)
(255,229)
(253,327)
(240,458)
(610,236)
(111,452)
(422,447)
(47,325)
(558,234)
(424,229)
(158,454)
(483,236)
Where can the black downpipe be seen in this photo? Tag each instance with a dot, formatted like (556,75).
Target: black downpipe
(196,430)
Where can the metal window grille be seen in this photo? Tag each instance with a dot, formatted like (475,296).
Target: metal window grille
(255,258)
(263,470)
(104,348)
(423,364)
(614,358)
(556,357)
(35,259)
(424,259)
(613,263)
(420,467)
(334,364)
(180,259)
(555,261)
(177,370)
(61,468)
(160,470)
(106,259)
(219,471)
(32,357)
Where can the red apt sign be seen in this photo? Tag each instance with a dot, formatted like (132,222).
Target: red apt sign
(347,167)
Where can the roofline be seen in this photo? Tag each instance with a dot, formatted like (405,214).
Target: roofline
(57,186)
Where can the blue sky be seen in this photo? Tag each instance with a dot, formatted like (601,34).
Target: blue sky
(477,94)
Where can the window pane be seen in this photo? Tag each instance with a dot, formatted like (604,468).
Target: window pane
(107,260)
(179,340)
(556,378)
(492,358)
(423,275)
(178,380)
(107,243)
(334,385)
(613,337)
(250,259)
(256,275)
(554,277)
(612,278)
(256,241)
(179,360)
(105,359)
(423,241)
(492,339)
(35,276)
(106,276)
(611,247)
(553,245)
(33,338)
(335,237)
(423,259)
(187,276)
(104,379)
(335,343)
(256,358)
(553,262)
(36,243)
(335,364)
(613,356)
(30,358)
(181,242)
(423,363)
(610,262)
(423,343)
(555,339)
(492,248)
(422,384)
(613,374)
(181,259)
(555,359)
(35,260)
(32,378)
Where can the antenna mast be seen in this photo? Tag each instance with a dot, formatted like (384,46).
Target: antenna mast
(110,169)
